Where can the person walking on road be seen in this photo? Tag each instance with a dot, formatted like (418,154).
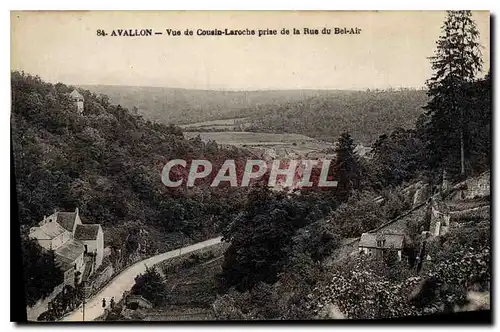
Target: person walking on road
(112,303)
(103,302)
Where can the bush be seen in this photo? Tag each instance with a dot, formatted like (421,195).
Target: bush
(360,214)
(150,285)
(258,303)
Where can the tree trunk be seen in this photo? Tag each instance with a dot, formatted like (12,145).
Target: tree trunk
(462,152)
(462,148)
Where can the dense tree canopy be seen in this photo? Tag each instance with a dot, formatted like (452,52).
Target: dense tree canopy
(107,162)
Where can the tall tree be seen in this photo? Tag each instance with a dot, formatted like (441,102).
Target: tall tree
(41,274)
(456,62)
(346,168)
(396,157)
(259,238)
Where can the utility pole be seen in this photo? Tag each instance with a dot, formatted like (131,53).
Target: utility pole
(182,243)
(83,306)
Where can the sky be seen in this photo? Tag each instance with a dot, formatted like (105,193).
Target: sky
(391,50)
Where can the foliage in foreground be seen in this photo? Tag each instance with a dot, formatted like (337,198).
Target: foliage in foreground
(41,274)
(150,285)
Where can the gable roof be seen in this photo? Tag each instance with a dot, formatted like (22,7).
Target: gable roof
(369,240)
(66,220)
(86,232)
(47,231)
(75,94)
(70,251)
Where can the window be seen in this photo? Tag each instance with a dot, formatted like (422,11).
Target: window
(86,248)
(381,243)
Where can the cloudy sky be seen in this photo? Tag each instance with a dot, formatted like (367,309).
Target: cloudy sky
(390,51)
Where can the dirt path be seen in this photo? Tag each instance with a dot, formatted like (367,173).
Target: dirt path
(126,279)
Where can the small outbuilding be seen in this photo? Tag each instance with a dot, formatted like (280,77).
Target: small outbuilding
(375,244)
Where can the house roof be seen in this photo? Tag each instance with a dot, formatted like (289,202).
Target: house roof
(70,251)
(75,94)
(64,266)
(47,231)
(369,240)
(87,232)
(66,220)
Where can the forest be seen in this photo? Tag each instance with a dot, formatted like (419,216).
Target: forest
(363,113)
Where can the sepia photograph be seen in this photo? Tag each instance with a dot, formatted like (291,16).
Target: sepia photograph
(225,166)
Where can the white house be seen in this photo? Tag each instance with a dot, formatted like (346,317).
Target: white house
(78,99)
(92,238)
(50,235)
(76,245)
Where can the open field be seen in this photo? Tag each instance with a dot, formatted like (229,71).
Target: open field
(281,143)
(217,125)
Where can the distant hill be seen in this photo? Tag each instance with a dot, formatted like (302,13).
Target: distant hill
(365,114)
(322,114)
(183,106)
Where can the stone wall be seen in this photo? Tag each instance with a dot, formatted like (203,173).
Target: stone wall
(421,194)
(398,225)
(482,212)
(478,186)
(100,280)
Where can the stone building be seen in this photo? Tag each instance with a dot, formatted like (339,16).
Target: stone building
(375,244)
(78,99)
(137,301)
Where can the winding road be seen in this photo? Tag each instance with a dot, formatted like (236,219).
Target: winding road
(126,279)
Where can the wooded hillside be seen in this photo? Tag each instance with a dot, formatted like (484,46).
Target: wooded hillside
(107,162)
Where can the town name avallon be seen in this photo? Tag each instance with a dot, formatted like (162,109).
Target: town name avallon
(132,32)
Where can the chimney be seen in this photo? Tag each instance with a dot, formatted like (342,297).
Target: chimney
(76,210)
